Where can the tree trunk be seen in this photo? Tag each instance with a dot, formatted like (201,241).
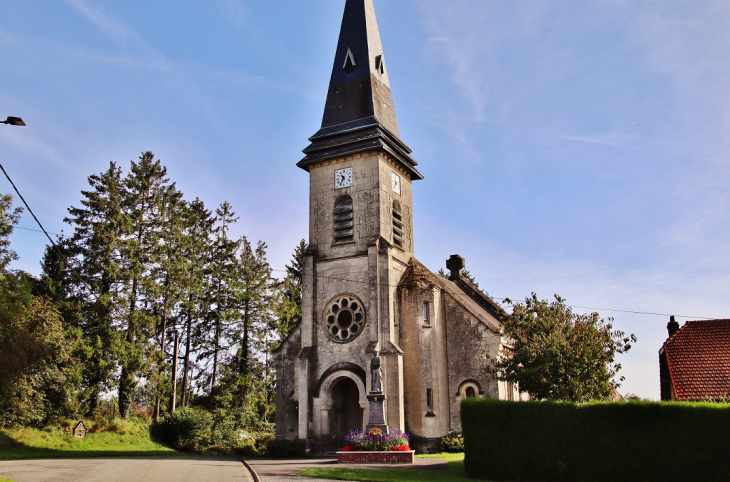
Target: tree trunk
(188,333)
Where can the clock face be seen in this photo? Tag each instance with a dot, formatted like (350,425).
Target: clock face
(343,178)
(396,183)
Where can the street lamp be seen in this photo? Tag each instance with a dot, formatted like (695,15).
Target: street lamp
(14,121)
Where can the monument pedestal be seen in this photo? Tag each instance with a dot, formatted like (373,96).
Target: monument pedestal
(376,412)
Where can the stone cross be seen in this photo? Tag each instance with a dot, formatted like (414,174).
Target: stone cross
(455,264)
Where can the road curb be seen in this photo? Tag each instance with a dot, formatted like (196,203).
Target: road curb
(251,471)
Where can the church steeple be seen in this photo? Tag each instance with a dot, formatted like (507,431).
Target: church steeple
(359,114)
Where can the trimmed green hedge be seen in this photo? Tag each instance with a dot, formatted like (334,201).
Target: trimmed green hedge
(596,442)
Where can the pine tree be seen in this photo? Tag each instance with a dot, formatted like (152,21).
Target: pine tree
(221,278)
(255,301)
(90,276)
(289,309)
(196,253)
(169,273)
(146,185)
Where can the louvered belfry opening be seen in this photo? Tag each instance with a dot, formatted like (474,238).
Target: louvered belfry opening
(344,220)
(397,225)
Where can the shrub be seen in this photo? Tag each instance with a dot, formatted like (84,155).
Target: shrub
(376,441)
(185,429)
(284,448)
(453,442)
(595,442)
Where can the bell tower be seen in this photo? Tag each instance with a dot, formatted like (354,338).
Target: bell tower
(360,240)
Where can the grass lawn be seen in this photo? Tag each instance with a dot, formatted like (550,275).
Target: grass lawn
(121,439)
(454,462)
(6,480)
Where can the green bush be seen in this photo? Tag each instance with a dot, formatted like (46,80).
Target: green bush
(187,429)
(284,449)
(453,442)
(596,442)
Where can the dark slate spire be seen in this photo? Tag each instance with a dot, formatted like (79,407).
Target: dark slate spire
(359,113)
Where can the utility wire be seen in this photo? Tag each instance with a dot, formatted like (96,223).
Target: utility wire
(39,231)
(55,246)
(30,210)
(502,299)
(350,280)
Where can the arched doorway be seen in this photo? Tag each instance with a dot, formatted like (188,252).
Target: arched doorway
(346,413)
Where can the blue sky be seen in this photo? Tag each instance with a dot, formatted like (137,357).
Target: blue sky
(569,147)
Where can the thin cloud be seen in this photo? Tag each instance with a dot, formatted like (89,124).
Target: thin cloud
(115,30)
(615,140)
(234,12)
(468,35)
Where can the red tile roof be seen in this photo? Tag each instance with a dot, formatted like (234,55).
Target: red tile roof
(698,356)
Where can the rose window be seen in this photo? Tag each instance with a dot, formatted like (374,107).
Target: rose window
(344,318)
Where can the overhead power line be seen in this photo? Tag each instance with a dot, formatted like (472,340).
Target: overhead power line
(30,210)
(43,230)
(39,231)
(615,310)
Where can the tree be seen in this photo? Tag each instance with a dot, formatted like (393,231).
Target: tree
(255,304)
(555,354)
(222,273)
(169,272)
(8,220)
(289,308)
(466,274)
(35,353)
(35,348)
(148,190)
(89,276)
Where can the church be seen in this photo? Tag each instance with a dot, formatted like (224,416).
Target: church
(381,336)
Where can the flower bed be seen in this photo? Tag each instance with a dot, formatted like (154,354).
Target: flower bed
(375,446)
(392,457)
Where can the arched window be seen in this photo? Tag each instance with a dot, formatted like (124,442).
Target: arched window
(344,220)
(397,225)
(470,389)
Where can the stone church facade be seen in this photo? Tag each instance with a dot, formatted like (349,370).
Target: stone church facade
(364,294)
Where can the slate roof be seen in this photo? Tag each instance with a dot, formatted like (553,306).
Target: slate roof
(698,358)
(467,295)
(359,114)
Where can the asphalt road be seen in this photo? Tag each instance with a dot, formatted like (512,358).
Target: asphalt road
(133,469)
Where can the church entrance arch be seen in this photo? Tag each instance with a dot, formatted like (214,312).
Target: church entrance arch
(344,400)
(346,413)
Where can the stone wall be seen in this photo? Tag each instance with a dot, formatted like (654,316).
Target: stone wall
(372,196)
(468,341)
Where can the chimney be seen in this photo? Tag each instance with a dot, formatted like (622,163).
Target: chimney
(672,326)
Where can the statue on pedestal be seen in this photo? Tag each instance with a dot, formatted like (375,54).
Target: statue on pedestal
(376,385)
(376,398)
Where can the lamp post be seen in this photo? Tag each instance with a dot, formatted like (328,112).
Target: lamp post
(14,121)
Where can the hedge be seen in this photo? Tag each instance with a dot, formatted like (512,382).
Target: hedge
(596,442)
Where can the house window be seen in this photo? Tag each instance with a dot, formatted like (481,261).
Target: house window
(429,399)
(397,225)
(426,317)
(344,220)
(470,392)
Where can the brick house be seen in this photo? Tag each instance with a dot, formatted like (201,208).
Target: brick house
(694,362)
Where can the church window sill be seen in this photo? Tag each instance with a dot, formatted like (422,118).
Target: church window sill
(342,243)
